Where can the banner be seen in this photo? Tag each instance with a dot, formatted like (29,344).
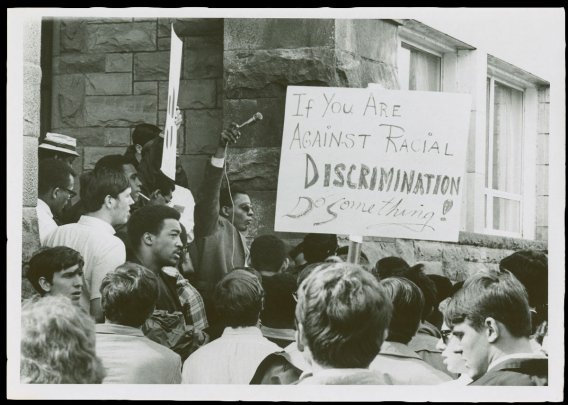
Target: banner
(170,130)
(373,162)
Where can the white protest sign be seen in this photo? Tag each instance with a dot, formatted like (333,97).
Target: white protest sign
(373,162)
(170,131)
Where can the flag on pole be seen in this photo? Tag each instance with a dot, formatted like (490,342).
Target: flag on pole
(170,131)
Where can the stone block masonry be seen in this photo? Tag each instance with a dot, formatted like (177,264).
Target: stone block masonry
(111,74)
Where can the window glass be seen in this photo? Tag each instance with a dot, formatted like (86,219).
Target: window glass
(507,139)
(506,215)
(419,70)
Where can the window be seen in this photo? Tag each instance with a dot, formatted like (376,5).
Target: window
(419,70)
(507,122)
(504,159)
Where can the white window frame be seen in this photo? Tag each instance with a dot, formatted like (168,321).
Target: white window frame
(446,48)
(526,199)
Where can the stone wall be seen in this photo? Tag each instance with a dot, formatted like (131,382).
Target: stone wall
(111,74)
(31,124)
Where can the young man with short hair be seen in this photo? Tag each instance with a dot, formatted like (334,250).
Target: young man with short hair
(396,361)
(57,271)
(490,318)
(142,134)
(128,298)
(107,203)
(154,233)
(234,357)
(55,189)
(342,317)
(110,162)
(269,255)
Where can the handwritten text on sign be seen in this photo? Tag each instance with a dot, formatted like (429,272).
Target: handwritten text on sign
(373,162)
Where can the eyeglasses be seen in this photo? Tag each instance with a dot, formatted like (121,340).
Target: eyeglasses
(446,333)
(70,192)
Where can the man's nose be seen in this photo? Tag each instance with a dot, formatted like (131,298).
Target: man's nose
(440,345)
(78,281)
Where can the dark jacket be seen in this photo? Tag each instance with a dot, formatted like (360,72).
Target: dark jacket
(212,249)
(519,372)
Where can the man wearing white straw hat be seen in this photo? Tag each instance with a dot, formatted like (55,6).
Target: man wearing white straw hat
(58,146)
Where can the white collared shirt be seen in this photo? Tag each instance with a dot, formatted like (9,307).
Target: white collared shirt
(231,359)
(101,251)
(45,221)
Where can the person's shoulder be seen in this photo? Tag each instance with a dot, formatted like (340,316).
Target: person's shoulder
(206,351)
(511,378)
(162,353)
(62,232)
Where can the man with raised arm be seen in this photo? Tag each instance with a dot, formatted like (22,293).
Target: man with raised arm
(220,218)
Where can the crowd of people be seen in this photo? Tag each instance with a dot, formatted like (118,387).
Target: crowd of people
(139,283)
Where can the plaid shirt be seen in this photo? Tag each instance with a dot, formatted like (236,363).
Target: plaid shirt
(190,299)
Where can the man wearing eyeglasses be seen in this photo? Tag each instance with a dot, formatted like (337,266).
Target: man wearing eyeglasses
(55,189)
(221,216)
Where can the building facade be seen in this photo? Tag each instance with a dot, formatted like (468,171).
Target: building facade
(101,77)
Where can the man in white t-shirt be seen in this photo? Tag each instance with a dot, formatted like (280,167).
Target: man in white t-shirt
(107,203)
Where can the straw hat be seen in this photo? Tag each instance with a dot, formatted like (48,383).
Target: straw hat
(60,143)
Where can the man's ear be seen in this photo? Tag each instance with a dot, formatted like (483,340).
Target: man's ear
(44,284)
(53,193)
(148,239)
(108,202)
(225,211)
(284,266)
(157,196)
(300,339)
(492,328)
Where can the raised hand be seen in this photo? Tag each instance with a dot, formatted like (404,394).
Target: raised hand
(229,135)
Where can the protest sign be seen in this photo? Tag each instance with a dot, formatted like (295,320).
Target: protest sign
(373,162)
(170,132)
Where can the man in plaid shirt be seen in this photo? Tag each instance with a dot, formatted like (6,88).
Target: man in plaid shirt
(154,232)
